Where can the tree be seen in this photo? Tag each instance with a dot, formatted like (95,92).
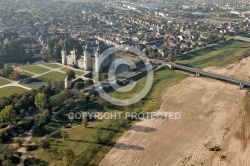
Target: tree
(71,74)
(79,85)
(89,82)
(68,156)
(41,101)
(58,51)
(14,75)
(59,99)
(92,97)
(45,142)
(1,64)
(170,57)
(6,71)
(6,155)
(63,133)
(104,76)
(51,46)
(152,55)
(8,114)
(42,118)
(85,121)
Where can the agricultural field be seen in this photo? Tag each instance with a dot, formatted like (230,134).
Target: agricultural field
(7,91)
(56,76)
(34,69)
(3,82)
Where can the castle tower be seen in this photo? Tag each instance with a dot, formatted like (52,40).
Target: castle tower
(67,83)
(64,53)
(87,58)
(74,56)
(97,68)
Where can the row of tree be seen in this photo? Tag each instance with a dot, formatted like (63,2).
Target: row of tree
(14,50)
(54,48)
(8,72)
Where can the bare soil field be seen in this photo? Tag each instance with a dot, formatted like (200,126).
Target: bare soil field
(213,129)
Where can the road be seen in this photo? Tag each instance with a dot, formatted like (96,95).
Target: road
(118,78)
(211,75)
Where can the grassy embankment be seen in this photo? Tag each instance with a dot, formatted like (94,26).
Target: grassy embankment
(219,55)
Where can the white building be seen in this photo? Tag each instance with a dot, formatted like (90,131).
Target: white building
(88,60)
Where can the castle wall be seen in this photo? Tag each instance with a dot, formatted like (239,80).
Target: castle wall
(86,62)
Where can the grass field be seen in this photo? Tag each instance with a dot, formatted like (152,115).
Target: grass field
(56,76)
(7,91)
(52,65)
(219,55)
(3,82)
(79,73)
(35,69)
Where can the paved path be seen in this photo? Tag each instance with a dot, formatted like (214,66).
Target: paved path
(35,75)
(26,141)
(13,83)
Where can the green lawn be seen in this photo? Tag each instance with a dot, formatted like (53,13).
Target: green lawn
(7,91)
(56,76)
(3,82)
(219,55)
(79,73)
(52,65)
(35,69)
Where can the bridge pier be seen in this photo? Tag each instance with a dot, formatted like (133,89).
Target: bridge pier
(197,74)
(241,86)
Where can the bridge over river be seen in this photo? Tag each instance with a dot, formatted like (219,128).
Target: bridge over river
(242,84)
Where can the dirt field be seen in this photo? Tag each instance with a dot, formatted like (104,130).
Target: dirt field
(213,129)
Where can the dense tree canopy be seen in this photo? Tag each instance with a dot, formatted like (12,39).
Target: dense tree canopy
(14,50)
(6,71)
(41,101)
(8,114)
